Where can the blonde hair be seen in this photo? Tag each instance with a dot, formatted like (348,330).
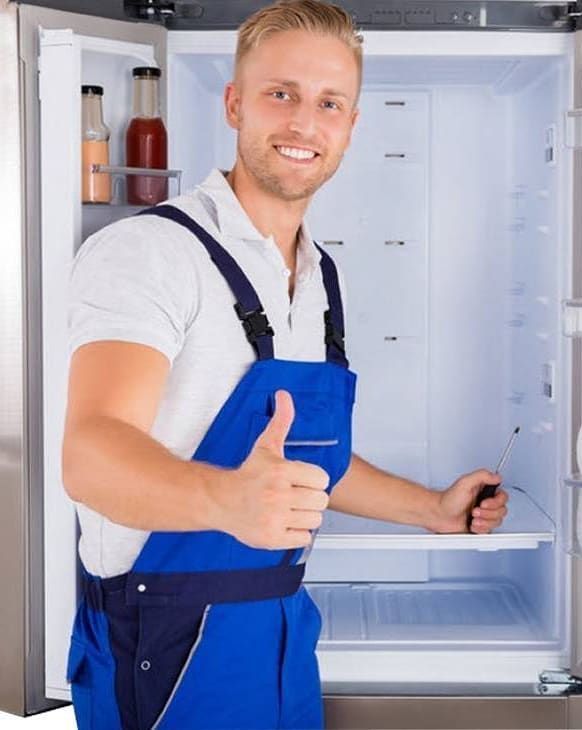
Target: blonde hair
(314,16)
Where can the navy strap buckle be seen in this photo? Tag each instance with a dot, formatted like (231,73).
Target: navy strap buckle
(255,323)
(332,335)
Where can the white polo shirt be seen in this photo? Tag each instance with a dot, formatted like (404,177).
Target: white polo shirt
(148,280)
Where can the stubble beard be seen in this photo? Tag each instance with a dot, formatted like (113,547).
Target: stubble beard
(256,161)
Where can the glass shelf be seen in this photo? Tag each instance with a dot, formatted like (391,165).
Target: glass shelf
(525,527)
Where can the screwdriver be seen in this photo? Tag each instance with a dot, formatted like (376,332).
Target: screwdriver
(489,489)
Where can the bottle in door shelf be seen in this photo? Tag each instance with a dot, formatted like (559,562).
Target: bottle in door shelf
(146,141)
(95,186)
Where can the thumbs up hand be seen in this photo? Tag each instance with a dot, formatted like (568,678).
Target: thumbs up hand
(273,503)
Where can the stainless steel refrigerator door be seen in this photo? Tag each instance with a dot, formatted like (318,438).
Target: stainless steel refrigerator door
(13,498)
(34,510)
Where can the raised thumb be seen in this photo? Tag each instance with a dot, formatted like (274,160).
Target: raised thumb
(274,435)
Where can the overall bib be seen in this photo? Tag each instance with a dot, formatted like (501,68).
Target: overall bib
(205,632)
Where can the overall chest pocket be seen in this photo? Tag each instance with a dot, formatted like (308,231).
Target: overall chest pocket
(318,435)
(314,424)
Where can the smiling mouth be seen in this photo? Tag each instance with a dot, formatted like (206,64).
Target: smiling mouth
(297,153)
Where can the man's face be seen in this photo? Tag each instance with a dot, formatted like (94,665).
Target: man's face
(293,104)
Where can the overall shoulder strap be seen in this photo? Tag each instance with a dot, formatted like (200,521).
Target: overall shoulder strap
(248,305)
(334,316)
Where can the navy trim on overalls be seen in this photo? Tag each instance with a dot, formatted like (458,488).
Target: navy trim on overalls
(187,589)
(334,316)
(248,305)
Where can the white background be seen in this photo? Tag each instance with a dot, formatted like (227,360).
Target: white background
(61,719)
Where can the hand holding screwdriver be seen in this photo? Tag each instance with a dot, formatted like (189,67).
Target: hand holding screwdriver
(489,490)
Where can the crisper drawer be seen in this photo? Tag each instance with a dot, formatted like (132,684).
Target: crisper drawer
(426,712)
(441,632)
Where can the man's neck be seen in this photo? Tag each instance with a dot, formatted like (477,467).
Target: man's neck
(270,215)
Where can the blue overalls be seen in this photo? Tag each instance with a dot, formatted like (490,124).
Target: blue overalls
(205,632)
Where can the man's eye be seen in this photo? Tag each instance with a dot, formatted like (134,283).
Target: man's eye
(280,94)
(328,104)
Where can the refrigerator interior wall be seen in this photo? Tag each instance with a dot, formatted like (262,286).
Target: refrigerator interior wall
(450,233)
(540,394)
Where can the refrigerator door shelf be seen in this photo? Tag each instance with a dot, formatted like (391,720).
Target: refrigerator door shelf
(573,129)
(572,316)
(525,528)
(125,171)
(573,515)
(119,174)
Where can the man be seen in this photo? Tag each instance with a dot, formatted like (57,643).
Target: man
(203,442)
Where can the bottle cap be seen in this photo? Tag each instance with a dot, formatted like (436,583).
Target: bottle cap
(90,89)
(146,72)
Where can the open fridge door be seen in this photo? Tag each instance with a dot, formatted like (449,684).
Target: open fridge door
(73,50)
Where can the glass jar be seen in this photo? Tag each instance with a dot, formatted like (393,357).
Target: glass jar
(146,142)
(95,186)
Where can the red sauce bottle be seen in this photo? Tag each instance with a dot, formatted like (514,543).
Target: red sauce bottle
(146,141)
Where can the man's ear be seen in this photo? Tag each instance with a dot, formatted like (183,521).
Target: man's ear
(232,104)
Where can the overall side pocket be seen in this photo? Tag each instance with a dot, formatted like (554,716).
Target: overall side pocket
(78,675)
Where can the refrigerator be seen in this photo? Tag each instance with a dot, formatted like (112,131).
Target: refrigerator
(456,217)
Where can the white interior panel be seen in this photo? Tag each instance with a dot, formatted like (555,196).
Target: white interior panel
(60,121)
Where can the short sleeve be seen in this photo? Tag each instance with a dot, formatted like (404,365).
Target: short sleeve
(132,282)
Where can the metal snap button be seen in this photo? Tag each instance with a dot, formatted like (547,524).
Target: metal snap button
(141,588)
(145,665)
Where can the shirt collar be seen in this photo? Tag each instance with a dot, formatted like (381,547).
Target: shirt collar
(233,221)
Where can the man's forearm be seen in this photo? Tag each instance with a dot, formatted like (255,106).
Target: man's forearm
(370,492)
(126,475)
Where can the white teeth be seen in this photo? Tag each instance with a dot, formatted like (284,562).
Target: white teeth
(296,153)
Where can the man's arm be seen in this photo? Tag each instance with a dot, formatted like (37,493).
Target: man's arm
(367,491)
(112,464)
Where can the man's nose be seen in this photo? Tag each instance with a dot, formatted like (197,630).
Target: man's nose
(303,119)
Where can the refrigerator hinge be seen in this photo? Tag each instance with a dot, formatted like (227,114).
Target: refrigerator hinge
(559,682)
(156,11)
